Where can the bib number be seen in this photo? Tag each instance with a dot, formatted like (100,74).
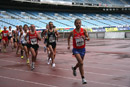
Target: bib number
(51,39)
(79,41)
(5,34)
(33,41)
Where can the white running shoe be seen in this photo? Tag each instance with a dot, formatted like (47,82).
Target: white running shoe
(48,61)
(84,81)
(53,65)
(32,66)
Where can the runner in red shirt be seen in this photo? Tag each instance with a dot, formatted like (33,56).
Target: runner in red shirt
(5,35)
(33,43)
(79,35)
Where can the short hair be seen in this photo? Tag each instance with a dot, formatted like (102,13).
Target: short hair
(76,20)
(50,22)
(25,25)
(20,25)
(9,26)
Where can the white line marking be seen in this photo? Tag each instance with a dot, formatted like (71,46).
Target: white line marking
(36,83)
(65,77)
(72,64)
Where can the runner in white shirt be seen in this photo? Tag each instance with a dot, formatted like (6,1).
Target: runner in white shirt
(10,38)
(24,42)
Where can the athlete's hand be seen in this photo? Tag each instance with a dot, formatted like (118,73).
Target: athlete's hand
(87,39)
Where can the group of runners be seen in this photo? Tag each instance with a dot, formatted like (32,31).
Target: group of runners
(25,39)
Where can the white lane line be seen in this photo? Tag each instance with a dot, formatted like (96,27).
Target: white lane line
(65,77)
(36,83)
(99,62)
(93,62)
(70,69)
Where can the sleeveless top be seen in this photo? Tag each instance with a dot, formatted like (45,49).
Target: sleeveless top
(23,38)
(51,37)
(10,33)
(33,38)
(78,41)
(4,34)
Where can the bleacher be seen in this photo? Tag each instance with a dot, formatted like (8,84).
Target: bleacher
(60,19)
(108,2)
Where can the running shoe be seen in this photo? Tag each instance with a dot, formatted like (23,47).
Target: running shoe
(84,81)
(48,61)
(27,61)
(21,57)
(74,71)
(53,65)
(44,49)
(32,66)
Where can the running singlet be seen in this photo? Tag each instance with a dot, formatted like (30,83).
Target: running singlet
(33,38)
(51,37)
(78,41)
(10,33)
(23,38)
(4,34)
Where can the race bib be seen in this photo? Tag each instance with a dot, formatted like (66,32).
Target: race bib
(51,39)
(5,34)
(33,41)
(79,41)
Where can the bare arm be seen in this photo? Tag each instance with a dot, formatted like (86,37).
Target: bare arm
(44,34)
(57,34)
(26,37)
(8,34)
(86,34)
(39,38)
(21,33)
(71,33)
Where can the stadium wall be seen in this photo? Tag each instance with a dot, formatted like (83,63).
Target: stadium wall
(101,35)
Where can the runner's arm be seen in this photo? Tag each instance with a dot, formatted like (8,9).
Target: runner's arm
(44,34)
(26,37)
(39,38)
(57,34)
(20,36)
(86,35)
(8,34)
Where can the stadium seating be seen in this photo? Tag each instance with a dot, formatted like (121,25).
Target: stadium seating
(60,19)
(108,2)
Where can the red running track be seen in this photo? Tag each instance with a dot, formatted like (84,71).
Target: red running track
(106,64)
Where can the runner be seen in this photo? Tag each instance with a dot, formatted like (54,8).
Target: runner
(15,37)
(10,38)
(5,35)
(45,43)
(24,42)
(51,42)
(19,42)
(78,35)
(0,38)
(33,44)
